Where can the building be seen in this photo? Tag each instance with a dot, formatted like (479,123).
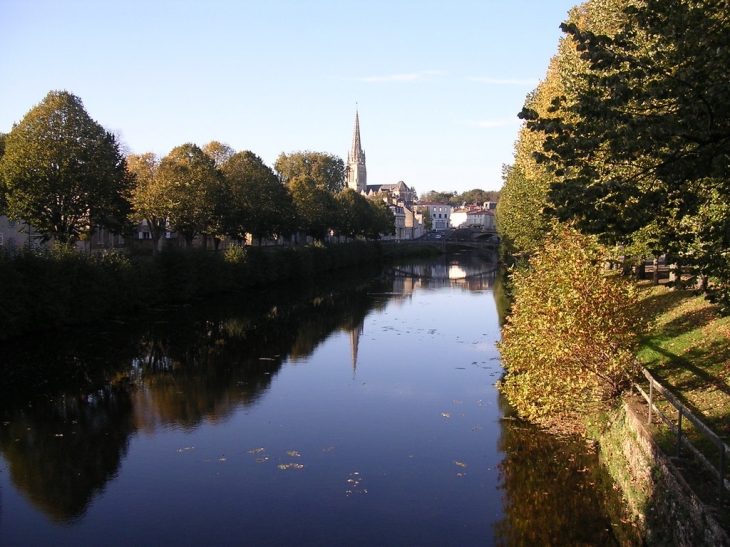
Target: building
(15,234)
(440,214)
(473,217)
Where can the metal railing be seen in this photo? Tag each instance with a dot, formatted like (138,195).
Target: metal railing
(684,412)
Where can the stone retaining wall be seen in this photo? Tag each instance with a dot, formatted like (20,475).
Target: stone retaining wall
(663,503)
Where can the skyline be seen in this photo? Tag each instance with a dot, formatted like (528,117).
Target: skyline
(437,86)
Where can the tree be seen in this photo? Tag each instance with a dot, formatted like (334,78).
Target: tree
(354,213)
(196,191)
(315,206)
(523,213)
(644,140)
(382,219)
(63,172)
(220,153)
(438,197)
(427,220)
(150,198)
(326,170)
(478,196)
(260,204)
(570,340)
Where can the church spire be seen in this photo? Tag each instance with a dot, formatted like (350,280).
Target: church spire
(356,151)
(356,172)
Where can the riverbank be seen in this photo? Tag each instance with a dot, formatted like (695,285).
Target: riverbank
(687,349)
(48,289)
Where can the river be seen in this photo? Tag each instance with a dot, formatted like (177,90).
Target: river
(362,411)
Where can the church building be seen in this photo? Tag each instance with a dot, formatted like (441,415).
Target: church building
(356,176)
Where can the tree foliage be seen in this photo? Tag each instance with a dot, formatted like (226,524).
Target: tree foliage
(354,214)
(315,206)
(63,172)
(326,170)
(150,198)
(570,340)
(196,191)
(640,143)
(382,219)
(260,204)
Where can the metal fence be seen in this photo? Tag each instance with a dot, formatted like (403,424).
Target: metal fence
(682,413)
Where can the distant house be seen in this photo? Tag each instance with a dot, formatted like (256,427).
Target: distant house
(15,234)
(473,217)
(440,214)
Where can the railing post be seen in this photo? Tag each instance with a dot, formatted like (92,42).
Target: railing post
(651,398)
(679,432)
(722,471)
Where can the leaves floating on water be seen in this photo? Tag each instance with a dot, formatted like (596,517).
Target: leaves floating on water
(294,454)
(460,464)
(290,466)
(354,484)
(256,451)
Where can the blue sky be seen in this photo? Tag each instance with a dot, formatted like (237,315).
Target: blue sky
(437,84)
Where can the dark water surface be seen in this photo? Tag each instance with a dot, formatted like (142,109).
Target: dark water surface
(364,413)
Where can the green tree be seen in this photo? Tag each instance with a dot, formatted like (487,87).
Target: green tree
(150,198)
(260,204)
(523,213)
(571,337)
(326,170)
(644,140)
(478,196)
(196,191)
(316,207)
(427,220)
(382,219)
(63,172)
(354,213)
(439,197)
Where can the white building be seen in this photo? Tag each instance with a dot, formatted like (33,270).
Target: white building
(440,214)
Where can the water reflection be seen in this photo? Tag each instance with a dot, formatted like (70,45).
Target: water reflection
(72,401)
(556,492)
(423,430)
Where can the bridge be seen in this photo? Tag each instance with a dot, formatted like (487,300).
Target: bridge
(461,238)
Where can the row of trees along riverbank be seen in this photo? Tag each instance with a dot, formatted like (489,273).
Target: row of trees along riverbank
(65,175)
(624,152)
(622,156)
(48,288)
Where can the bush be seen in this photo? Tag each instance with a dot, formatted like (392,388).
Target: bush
(571,338)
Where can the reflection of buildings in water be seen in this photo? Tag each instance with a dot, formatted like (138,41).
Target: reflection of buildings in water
(456,272)
(404,286)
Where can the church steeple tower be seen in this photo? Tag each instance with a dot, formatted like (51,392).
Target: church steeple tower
(357,176)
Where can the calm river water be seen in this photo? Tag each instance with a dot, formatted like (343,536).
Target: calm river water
(360,412)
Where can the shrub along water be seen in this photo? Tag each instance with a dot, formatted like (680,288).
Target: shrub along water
(42,289)
(572,334)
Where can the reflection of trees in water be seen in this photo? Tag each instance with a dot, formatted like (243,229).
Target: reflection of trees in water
(177,366)
(61,452)
(555,500)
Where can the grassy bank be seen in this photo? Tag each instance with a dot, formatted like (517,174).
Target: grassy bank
(687,349)
(49,289)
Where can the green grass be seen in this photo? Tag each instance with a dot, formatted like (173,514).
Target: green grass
(687,349)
